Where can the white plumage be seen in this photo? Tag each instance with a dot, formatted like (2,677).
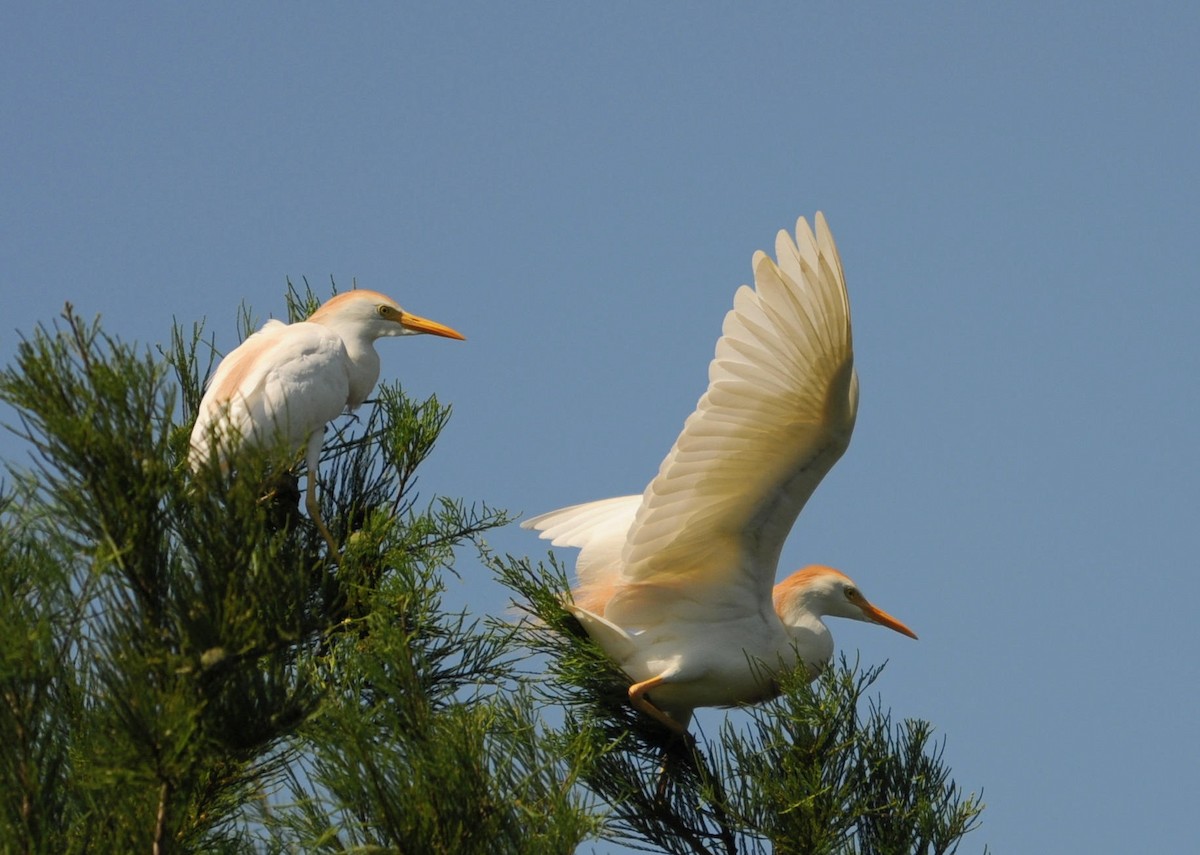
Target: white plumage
(677,584)
(286,381)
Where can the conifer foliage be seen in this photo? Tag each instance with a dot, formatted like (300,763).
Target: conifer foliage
(183,668)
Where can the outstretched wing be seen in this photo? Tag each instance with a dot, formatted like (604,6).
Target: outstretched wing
(778,413)
(599,530)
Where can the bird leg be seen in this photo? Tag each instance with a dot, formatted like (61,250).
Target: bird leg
(312,460)
(315,515)
(637,697)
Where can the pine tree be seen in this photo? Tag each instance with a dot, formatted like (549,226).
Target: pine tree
(183,668)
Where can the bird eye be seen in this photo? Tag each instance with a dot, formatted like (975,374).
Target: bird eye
(384,311)
(851,593)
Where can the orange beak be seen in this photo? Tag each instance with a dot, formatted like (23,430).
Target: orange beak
(424,325)
(882,618)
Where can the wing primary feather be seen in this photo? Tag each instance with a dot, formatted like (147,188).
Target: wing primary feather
(778,412)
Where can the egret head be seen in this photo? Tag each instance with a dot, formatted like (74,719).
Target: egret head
(376,315)
(822,591)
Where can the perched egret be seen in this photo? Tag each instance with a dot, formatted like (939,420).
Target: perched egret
(677,584)
(284,382)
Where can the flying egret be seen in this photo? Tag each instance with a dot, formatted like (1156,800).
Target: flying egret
(286,381)
(677,584)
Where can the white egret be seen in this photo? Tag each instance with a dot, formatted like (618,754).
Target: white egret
(677,584)
(286,381)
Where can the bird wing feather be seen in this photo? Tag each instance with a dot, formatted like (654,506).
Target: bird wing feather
(778,413)
(285,380)
(598,530)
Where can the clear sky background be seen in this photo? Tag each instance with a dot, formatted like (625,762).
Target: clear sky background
(1014,190)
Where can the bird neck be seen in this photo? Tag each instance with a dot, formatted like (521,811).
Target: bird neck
(362,369)
(364,372)
(812,639)
(806,631)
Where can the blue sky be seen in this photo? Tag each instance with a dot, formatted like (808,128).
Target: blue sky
(1014,189)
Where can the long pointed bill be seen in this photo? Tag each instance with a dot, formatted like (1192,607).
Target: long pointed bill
(424,325)
(882,618)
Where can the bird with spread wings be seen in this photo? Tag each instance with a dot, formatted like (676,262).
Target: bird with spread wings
(677,584)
